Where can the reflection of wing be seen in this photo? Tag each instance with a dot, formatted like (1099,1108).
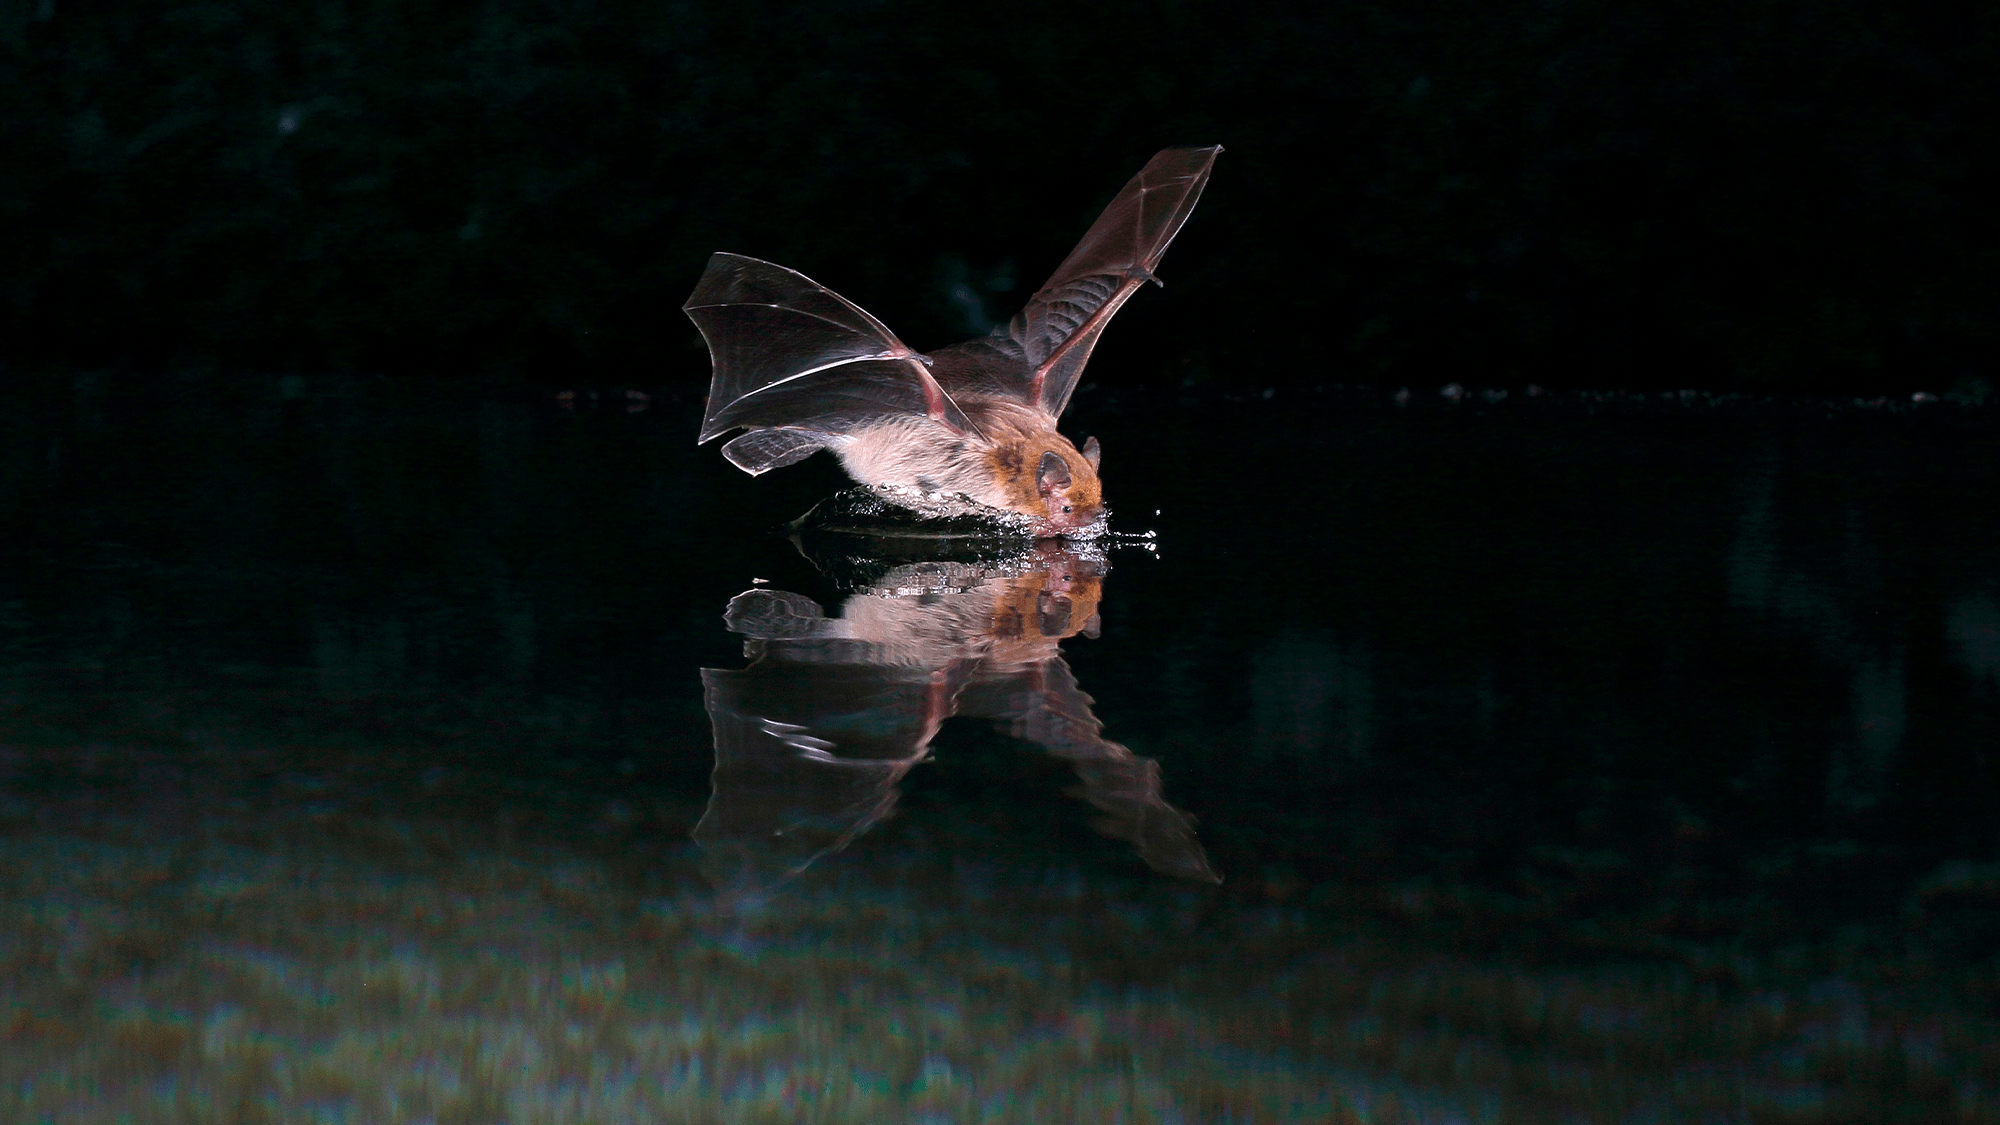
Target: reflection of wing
(766,614)
(1046,707)
(781,797)
(799,364)
(1038,356)
(808,754)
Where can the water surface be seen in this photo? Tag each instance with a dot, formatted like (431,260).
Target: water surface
(377,751)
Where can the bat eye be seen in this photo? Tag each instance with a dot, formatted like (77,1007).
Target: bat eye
(1065,507)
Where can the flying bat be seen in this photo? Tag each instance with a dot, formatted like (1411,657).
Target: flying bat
(800,369)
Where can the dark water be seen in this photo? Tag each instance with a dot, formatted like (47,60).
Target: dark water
(378,751)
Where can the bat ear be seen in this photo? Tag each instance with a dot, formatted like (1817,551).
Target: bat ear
(1053,473)
(1093,452)
(1054,612)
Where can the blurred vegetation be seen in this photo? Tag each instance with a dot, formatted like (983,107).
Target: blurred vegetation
(1772,195)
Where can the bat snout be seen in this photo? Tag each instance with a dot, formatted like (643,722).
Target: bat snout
(1067,516)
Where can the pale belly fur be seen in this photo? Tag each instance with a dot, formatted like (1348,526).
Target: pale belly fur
(917,453)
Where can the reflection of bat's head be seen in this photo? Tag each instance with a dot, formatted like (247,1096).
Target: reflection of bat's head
(1052,482)
(1055,599)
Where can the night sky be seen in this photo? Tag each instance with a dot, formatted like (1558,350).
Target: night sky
(1741,196)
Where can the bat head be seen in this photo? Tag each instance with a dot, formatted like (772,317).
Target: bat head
(1035,472)
(1067,492)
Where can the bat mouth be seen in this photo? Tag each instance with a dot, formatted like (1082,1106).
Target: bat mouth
(1083,524)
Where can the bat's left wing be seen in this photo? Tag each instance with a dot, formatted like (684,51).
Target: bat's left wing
(799,364)
(1037,357)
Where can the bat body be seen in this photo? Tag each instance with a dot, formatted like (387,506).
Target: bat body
(800,369)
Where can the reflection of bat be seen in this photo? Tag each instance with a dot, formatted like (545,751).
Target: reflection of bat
(804,369)
(812,738)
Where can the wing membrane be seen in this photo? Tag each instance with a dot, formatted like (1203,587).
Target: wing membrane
(792,355)
(1042,351)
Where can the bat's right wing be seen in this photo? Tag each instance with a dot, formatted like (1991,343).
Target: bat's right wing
(799,364)
(1038,357)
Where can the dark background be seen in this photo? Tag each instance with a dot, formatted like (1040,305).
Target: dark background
(1762,196)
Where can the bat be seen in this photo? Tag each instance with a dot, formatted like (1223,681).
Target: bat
(800,368)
